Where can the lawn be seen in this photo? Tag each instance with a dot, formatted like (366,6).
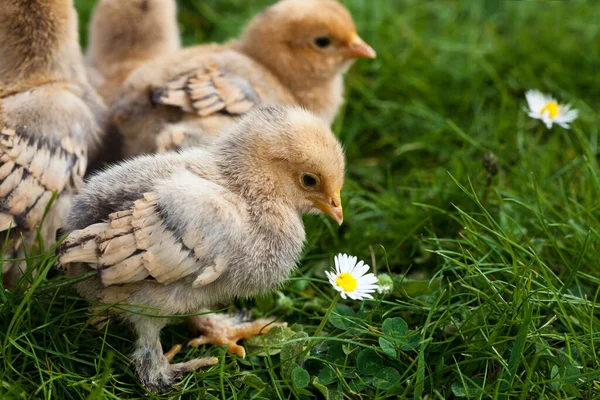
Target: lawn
(495,264)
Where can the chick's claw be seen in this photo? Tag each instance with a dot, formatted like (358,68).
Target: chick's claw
(170,139)
(191,365)
(220,329)
(173,352)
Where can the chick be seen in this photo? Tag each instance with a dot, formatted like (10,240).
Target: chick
(178,233)
(49,122)
(294,52)
(124,35)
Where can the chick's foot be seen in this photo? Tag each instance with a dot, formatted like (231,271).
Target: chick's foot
(221,329)
(157,374)
(152,367)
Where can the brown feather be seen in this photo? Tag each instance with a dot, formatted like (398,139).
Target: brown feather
(205,92)
(32,171)
(133,245)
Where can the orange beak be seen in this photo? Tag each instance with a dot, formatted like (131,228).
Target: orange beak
(358,48)
(333,207)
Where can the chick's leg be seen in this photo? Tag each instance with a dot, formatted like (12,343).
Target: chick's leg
(221,329)
(152,367)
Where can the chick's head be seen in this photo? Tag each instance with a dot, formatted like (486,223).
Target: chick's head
(311,165)
(287,153)
(300,39)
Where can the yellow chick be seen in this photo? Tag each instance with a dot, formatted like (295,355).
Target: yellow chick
(179,233)
(49,122)
(294,52)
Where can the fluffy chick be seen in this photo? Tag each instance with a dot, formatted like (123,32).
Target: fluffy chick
(177,233)
(49,121)
(294,52)
(125,34)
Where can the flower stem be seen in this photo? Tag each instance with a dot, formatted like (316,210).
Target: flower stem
(326,317)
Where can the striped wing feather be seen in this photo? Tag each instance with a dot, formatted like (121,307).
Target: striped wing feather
(133,245)
(208,91)
(31,170)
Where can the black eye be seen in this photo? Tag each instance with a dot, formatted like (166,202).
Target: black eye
(309,180)
(322,41)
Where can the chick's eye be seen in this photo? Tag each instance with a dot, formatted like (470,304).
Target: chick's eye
(309,180)
(322,41)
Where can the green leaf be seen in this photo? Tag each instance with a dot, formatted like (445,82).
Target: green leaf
(327,375)
(572,374)
(291,352)
(554,374)
(288,368)
(395,327)
(406,287)
(517,350)
(338,316)
(328,393)
(272,340)
(420,384)
(412,342)
(387,347)
(369,362)
(386,378)
(471,390)
(321,388)
(300,377)
(251,380)
(336,354)
(572,390)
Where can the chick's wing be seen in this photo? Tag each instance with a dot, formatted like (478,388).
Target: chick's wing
(32,168)
(207,91)
(185,227)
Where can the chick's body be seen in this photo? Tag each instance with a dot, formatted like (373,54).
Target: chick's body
(50,121)
(183,232)
(294,52)
(200,219)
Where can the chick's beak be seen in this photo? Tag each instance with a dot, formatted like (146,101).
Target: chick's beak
(333,207)
(359,49)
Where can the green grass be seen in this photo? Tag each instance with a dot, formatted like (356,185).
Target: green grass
(497,283)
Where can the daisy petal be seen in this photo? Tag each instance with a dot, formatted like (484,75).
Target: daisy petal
(360,271)
(536,100)
(357,267)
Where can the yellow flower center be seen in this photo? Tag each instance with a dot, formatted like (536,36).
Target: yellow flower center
(346,282)
(552,108)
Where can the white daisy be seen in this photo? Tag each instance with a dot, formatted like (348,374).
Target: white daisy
(350,278)
(547,109)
